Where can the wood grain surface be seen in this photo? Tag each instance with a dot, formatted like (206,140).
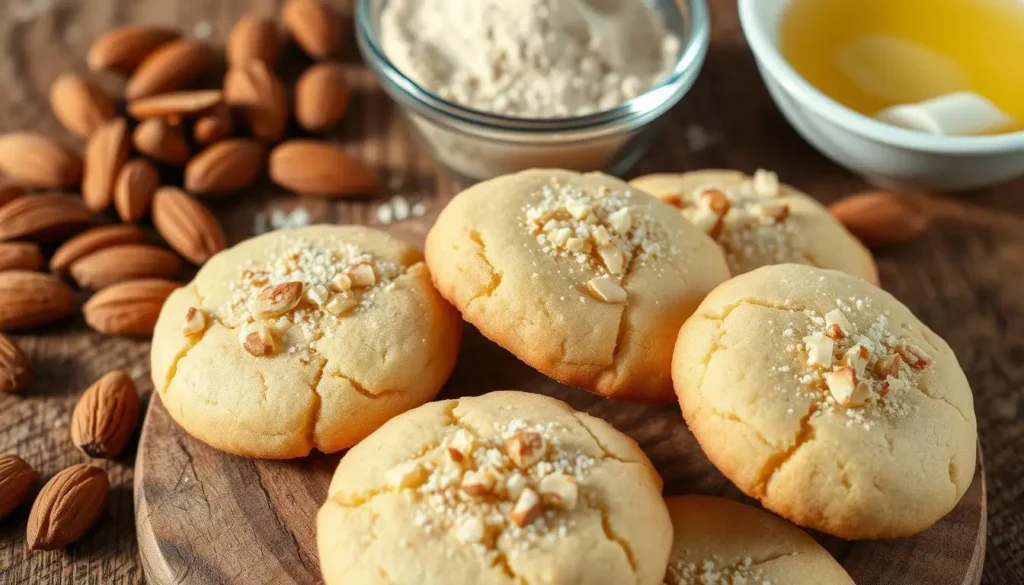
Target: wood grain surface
(962,277)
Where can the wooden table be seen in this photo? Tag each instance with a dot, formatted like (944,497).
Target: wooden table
(962,277)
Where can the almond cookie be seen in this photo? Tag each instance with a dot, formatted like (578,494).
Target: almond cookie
(579,276)
(721,542)
(758,221)
(303,339)
(502,489)
(825,398)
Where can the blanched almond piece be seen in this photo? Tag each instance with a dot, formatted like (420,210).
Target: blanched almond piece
(888,366)
(819,350)
(525,448)
(716,201)
(471,530)
(846,389)
(621,221)
(857,357)
(317,295)
(257,339)
(341,283)
(612,258)
(560,490)
(477,484)
(914,356)
(606,289)
(195,322)
(277,300)
(528,507)
(765,183)
(363,275)
(341,303)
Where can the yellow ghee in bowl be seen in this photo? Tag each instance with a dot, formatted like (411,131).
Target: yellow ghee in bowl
(872,54)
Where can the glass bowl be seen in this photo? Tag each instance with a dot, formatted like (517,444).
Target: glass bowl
(478,145)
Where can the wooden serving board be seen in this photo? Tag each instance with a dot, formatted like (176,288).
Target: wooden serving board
(203,516)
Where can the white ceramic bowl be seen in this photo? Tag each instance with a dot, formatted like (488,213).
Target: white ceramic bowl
(883,154)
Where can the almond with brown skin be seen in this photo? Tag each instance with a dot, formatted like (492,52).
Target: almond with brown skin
(175,105)
(128,308)
(104,157)
(92,240)
(17,480)
(123,48)
(32,299)
(20,256)
(42,218)
(104,418)
(134,189)
(187,226)
(9,191)
(253,38)
(225,167)
(67,506)
(259,97)
(313,26)
(15,370)
(880,218)
(33,160)
(215,125)
(79,105)
(320,168)
(171,67)
(162,141)
(115,264)
(321,96)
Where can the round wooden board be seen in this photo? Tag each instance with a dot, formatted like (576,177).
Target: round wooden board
(203,516)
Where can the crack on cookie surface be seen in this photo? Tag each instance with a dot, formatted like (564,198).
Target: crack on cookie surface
(496,277)
(733,417)
(614,538)
(606,453)
(777,460)
(318,400)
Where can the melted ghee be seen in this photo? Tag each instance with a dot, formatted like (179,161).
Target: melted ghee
(872,54)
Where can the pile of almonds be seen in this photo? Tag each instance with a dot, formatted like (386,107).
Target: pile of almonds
(216,140)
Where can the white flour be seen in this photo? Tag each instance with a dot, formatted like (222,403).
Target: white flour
(530,58)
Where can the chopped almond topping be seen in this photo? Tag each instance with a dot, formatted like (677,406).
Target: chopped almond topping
(363,275)
(835,331)
(819,350)
(716,201)
(765,183)
(601,236)
(257,339)
(317,295)
(277,300)
(888,366)
(778,213)
(341,303)
(515,484)
(560,490)
(605,289)
(341,283)
(195,321)
(476,484)
(673,199)
(612,258)
(528,507)
(892,383)
(460,448)
(620,221)
(857,357)
(526,448)
(846,389)
(575,244)
(914,356)
(406,475)
(836,317)
(471,530)
(577,209)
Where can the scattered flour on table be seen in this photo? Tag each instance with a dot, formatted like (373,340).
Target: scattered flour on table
(530,58)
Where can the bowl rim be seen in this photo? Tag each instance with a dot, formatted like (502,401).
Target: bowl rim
(651,103)
(766,51)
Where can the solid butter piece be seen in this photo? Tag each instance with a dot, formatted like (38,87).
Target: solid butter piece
(956,114)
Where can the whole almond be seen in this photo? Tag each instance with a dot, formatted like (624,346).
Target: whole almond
(213,126)
(321,96)
(20,256)
(253,38)
(115,264)
(104,418)
(79,105)
(125,47)
(17,479)
(162,141)
(258,95)
(128,308)
(170,67)
(880,218)
(33,160)
(320,168)
(134,189)
(9,190)
(67,506)
(176,104)
(104,157)
(15,371)
(92,240)
(43,217)
(313,26)
(187,226)
(32,299)
(225,167)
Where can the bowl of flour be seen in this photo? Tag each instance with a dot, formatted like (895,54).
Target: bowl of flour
(493,87)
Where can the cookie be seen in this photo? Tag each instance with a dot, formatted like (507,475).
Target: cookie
(303,339)
(825,398)
(758,221)
(721,542)
(505,488)
(578,275)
